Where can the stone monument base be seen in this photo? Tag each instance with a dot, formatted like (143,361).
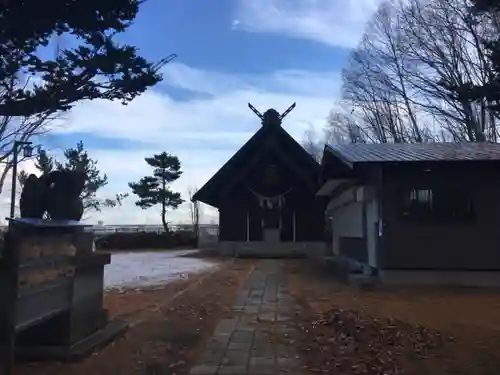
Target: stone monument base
(53,289)
(76,352)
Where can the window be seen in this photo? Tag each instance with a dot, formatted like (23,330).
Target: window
(417,202)
(437,204)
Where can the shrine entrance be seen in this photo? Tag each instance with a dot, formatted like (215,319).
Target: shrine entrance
(271,226)
(272,212)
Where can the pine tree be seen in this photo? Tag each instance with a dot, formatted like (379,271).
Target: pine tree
(153,190)
(36,85)
(78,159)
(95,67)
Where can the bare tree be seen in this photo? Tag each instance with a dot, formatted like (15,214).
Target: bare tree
(313,144)
(194,210)
(410,78)
(375,83)
(445,47)
(340,128)
(343,128)
(18,129)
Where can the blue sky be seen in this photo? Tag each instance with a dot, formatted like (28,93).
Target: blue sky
(201,33)
(230,52)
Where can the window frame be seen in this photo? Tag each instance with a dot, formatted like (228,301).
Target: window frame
(436,204)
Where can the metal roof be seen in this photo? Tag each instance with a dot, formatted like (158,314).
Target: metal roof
(414,152)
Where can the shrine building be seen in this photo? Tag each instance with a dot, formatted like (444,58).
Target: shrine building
(266,195)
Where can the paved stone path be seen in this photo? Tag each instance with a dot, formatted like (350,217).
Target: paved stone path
(241,345)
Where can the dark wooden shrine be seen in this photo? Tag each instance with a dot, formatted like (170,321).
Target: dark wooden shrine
(51,286)
(265,193)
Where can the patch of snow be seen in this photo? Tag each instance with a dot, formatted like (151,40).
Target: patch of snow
(149,269)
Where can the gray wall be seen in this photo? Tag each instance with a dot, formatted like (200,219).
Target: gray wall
(348,223)
(346,215)
(372,231)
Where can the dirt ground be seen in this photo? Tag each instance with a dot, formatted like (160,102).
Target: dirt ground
(416,331)
(341,329)
(169,325)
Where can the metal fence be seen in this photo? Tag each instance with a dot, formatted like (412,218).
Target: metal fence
(208,236)
(108,229)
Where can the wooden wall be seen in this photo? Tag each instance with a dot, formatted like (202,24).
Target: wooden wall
(469,244)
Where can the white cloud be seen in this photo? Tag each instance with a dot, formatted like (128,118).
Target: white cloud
(338,23)
(235,24)
(202,132)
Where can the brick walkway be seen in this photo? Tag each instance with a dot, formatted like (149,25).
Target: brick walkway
(240,345)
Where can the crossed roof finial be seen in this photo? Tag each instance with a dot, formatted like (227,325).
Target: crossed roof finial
(271,117)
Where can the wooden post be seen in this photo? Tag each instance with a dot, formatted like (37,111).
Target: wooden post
(294,227)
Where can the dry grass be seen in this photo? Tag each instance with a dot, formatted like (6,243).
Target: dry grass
(168,333)
(470,316)
(130,305)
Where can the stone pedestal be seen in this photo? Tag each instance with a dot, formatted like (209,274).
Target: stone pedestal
(53,286)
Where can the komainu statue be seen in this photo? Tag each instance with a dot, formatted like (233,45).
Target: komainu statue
(32,202)
(55,195)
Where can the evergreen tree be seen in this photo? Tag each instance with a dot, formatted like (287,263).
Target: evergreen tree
(78,159)
(96,67)
(488,11)
(153,190)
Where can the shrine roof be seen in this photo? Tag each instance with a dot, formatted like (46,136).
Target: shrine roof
(208,192)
